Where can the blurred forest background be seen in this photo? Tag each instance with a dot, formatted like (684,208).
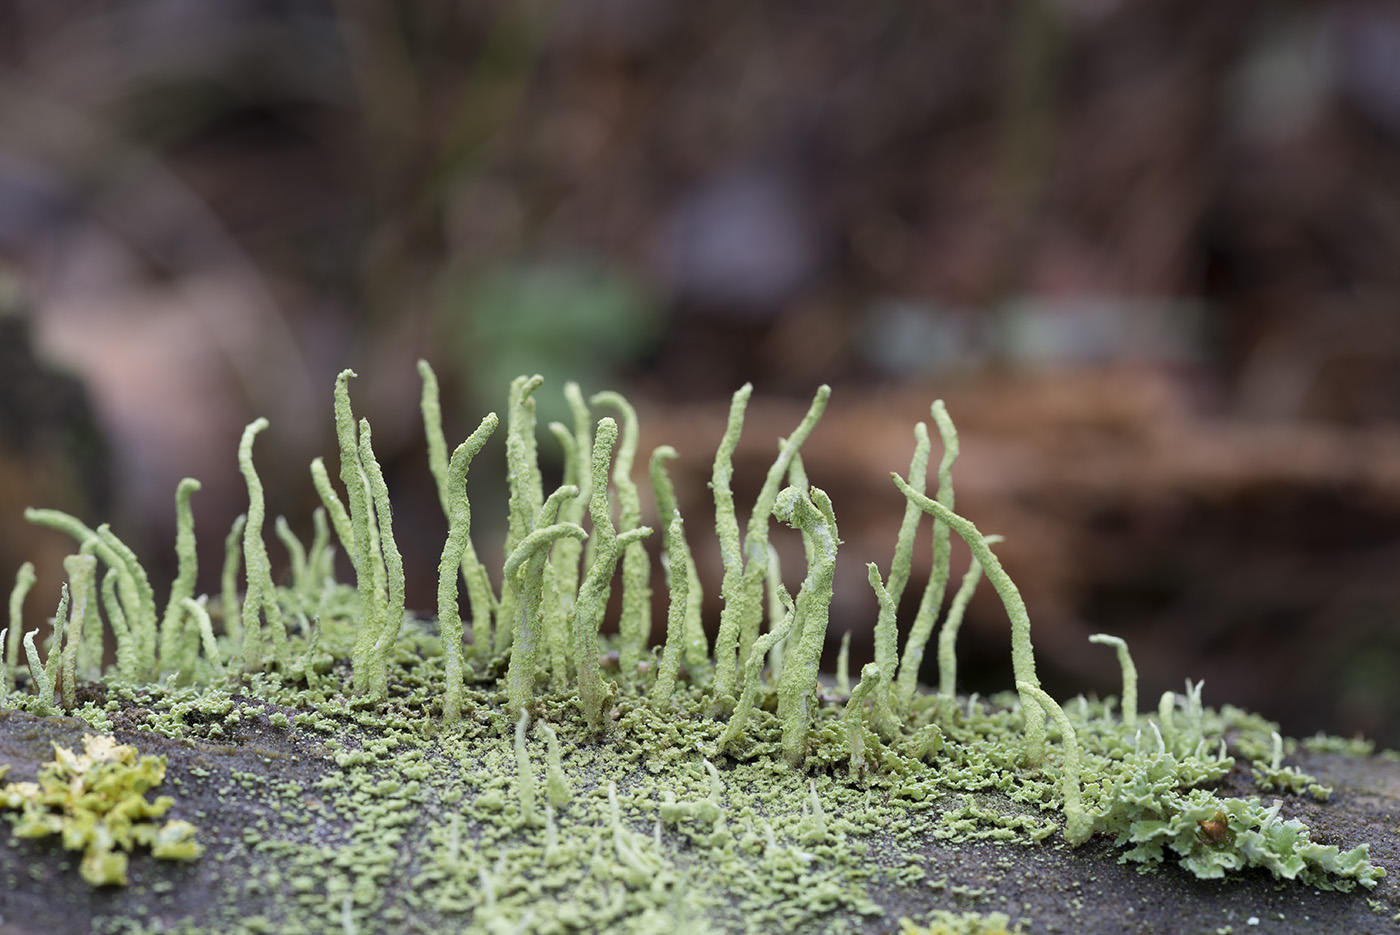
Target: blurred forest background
(1148,251)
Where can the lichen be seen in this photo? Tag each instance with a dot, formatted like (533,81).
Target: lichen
(528,772)
(95,802)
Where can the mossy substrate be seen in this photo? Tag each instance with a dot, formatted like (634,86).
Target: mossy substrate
(354,770)
(344,820)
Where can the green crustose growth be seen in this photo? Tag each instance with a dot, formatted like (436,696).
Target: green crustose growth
(676,786)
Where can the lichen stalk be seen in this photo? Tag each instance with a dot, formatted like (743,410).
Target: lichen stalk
(24,581)
(45,675)
(526,492)
(1125,664)
(730,547)
(886,654)
(931,602)
(948,633)
(393,607)
(696,652)
(858,736)
(187,571)
(634,625)
(524,772)
(1078,823)
(797,686)
(457,506)
(228,578)
(753,671)
(260,600)
(133,586)
(82,573)
(593,594)
(1022,655)
(200,615)
(525,572)
(679,562)
(909,526)
(756,535)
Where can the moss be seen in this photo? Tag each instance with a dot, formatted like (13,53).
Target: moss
(526,773)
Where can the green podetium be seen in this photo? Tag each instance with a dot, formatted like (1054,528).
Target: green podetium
(797,686)
(1125,662)
(1022,656)
(537,655)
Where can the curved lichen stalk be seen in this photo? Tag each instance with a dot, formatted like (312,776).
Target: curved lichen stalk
(1078,824)
(173,654)
(634,626)
(1125,663)
(1022,655)
(753,671)
(480,595)
(24,581)
(260,599)
(932,600)
(797,686)
(136,631)
(525,572)
(454,557)
(746,569)
(593,595)
(526,492)
(948,633)
(676,613)
(697,648)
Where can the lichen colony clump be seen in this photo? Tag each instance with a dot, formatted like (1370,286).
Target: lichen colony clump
(508,766)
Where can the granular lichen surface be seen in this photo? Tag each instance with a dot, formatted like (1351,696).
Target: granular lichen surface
(348,768)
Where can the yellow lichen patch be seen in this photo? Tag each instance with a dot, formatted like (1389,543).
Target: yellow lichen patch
(96,801)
